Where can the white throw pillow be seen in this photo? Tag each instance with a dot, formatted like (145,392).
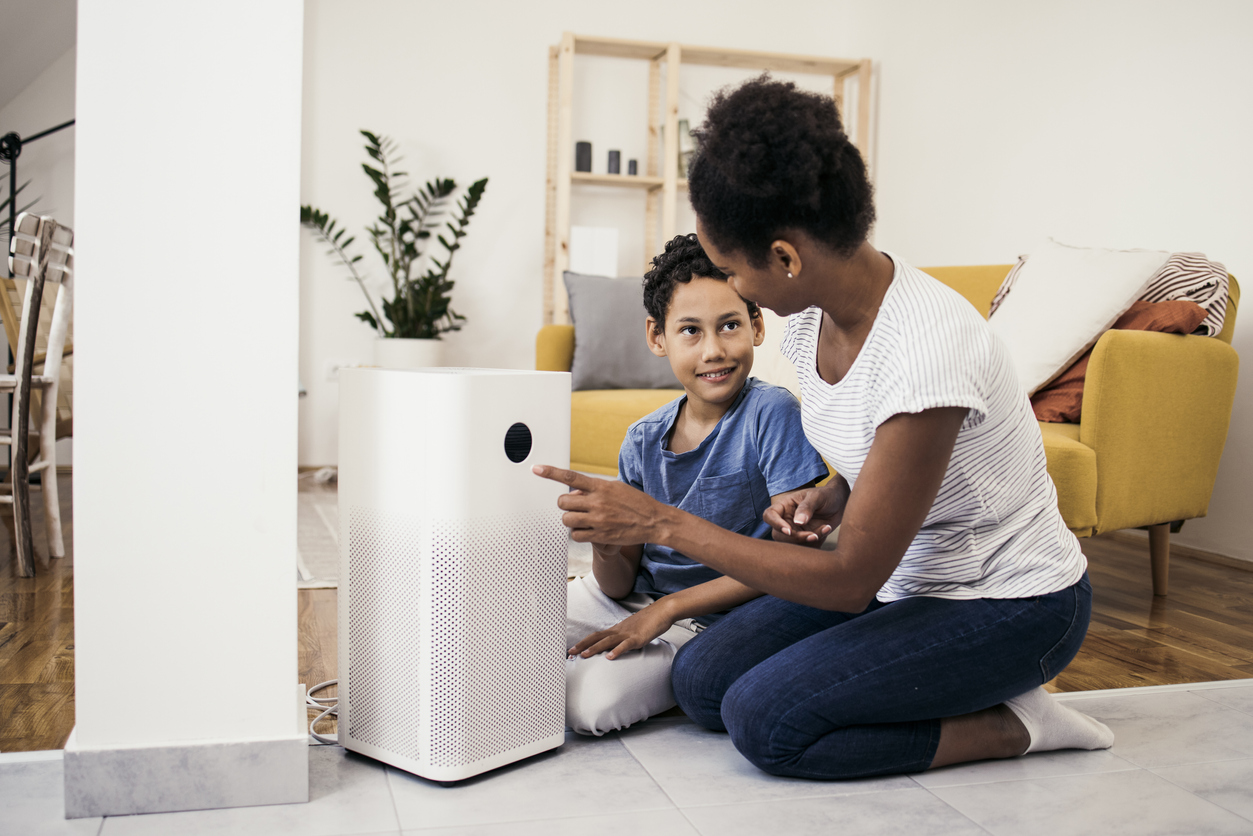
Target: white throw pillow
(769,364)
(1063,300)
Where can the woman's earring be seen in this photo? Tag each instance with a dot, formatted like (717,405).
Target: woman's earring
(789,275)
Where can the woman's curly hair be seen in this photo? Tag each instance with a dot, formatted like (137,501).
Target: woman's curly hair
(684,258)
(770,158)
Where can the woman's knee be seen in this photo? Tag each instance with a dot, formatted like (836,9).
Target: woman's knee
(682,671)
(694,689)
(782,738)
(752,719)
(777,735)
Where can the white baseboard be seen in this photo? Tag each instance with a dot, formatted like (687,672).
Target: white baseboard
(1139,537)
(1067,696)
(32,757)
(187,776)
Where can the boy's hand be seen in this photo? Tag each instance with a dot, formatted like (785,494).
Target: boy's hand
(629,634)
(807,516)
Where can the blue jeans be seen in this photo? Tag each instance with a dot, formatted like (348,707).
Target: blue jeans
(817,694)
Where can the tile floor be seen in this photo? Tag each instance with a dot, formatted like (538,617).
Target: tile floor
(1183,764)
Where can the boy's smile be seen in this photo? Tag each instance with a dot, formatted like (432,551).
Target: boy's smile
(718,376)
(708,339)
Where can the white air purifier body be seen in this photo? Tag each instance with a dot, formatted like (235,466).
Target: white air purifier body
(452,585)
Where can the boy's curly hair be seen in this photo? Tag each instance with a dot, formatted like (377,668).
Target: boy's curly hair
(771,158)
(684,258)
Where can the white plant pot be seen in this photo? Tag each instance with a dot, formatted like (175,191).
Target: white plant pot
(398,353)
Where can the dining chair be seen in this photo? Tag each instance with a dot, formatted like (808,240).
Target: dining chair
(39,252)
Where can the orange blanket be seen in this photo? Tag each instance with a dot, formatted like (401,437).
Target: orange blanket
(1062,400)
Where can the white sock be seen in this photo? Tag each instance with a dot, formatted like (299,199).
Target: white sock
(1053,725)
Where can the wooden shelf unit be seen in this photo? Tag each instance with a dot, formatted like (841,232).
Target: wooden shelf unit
(661,178)
(625,180)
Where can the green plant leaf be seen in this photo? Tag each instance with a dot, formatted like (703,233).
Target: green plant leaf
(420,301)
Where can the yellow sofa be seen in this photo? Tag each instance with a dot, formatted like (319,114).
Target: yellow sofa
(1144,455)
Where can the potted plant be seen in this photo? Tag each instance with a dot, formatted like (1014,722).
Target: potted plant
(409,325)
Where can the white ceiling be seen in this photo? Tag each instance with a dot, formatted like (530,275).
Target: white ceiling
(33,34)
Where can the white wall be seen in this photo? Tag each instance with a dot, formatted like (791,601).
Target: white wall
(1119,124)
(184,495)
(33,33)
(1114,124)
(48,163)
(464,88)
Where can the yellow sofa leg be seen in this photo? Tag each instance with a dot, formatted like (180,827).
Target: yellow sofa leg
(1159,556)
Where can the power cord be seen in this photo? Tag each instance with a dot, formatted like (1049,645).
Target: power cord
(328,706)
(321,476)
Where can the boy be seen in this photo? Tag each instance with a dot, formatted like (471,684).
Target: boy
(724,451)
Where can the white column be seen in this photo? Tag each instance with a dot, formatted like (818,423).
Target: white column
(187,189)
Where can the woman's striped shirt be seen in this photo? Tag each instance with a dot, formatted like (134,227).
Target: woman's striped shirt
(994,530)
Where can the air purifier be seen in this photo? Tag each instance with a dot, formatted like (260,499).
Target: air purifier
(452,596)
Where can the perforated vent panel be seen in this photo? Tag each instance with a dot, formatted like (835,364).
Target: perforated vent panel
(494,676)
(383,630)
(498,631)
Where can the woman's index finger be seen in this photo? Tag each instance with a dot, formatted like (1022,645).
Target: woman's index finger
(566,477)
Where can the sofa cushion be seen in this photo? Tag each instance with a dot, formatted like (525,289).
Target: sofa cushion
(1063,300)
(769,363)
(609,347)
(599,420)
(554,348)
(1073,468)
(977,283)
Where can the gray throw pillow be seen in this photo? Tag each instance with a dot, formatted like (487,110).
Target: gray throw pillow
(609,347)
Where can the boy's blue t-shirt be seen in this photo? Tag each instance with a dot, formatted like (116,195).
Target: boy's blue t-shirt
(757,450)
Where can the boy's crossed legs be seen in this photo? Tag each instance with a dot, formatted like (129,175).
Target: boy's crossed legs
(605,694)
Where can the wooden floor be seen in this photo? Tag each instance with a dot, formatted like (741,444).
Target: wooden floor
(319,639)
(37,636)
(1202,632)
(318,643)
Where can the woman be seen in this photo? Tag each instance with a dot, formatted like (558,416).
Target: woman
(955,589)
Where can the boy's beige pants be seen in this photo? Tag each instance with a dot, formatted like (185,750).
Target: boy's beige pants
(604,694)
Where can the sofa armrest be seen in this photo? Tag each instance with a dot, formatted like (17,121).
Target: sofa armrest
(554,348)
(1156,408)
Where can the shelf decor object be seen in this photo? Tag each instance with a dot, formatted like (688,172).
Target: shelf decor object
(661,179)
(687,147)
(583,156)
